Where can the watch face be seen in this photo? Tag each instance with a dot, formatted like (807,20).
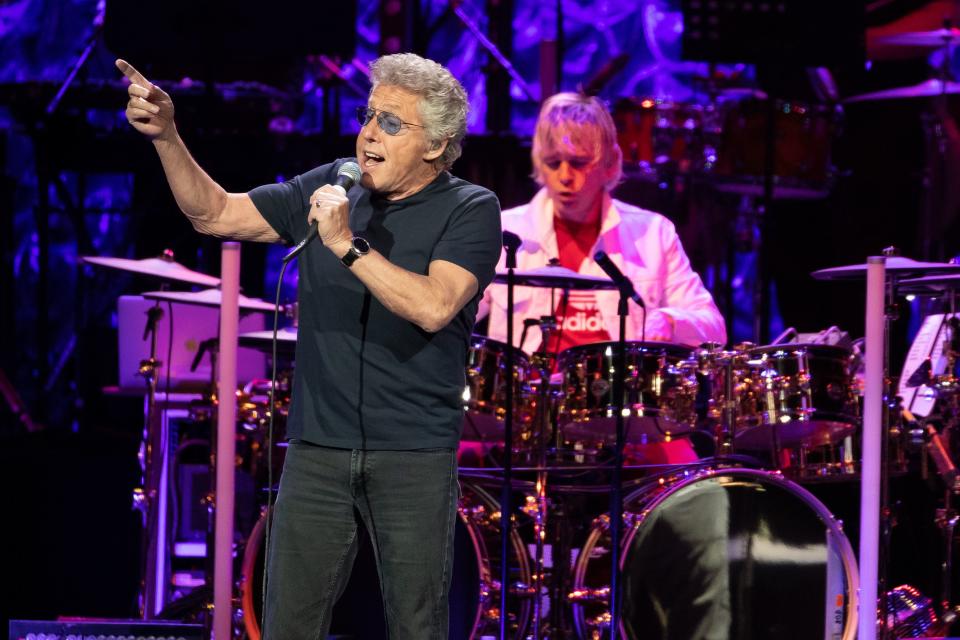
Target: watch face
(360,245)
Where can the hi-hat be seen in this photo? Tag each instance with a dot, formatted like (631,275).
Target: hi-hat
(894,264)
(263,340)
(208,298)
(935,38)
(163,268)
(556,277)
(928,89)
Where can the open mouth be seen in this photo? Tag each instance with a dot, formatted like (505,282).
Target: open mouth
(371,159)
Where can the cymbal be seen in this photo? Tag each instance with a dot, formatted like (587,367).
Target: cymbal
(263,340)
(208,298)
(928,89)
(556,277)
(931,284)
(935,38)
(163,268)
(895,264)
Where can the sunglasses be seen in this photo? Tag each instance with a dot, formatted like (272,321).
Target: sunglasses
(390,123)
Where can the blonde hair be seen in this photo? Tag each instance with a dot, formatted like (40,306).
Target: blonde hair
(443,100)
(580,120)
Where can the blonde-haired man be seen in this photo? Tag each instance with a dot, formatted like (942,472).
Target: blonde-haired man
(577,162)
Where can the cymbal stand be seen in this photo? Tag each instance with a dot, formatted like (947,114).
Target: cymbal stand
(616,495)
(511,243)
(544,362)
(891,313)
(947,517)
(937,128)
(145,496)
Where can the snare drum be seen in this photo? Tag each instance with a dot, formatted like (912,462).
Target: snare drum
(485,395)
(474,590)
(717,554)
(804,391)
(660,389)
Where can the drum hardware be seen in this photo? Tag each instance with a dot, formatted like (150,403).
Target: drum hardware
(897,269)
(912,615)
(537,506)
(153,438)
(511,244)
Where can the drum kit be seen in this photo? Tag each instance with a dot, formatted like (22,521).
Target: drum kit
(719,539)
(773,418)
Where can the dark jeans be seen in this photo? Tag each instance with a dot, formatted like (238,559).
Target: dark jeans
(407,501)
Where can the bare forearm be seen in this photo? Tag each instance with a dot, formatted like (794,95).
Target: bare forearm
(200,198)
(423,300)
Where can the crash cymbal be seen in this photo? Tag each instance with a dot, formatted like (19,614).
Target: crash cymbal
(556,277)
(904,267)
(931,284)
(935,38)
(928,89)
(164,268)
(263,340)
(208,298)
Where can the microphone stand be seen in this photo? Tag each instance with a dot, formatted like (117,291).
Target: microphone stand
(616,496)
(511,243)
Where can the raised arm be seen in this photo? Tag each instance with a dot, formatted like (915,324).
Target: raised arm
(206,204)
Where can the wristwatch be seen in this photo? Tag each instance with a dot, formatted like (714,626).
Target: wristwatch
(358,247)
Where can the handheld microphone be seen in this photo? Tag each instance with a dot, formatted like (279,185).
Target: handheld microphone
(622,282)
(347,175)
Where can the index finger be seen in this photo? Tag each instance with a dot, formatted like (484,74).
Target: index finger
(132,74)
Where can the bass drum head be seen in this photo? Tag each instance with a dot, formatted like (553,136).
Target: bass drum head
(721,555)
(359,612)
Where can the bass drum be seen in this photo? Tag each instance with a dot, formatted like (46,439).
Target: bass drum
(717,555)
(474,590)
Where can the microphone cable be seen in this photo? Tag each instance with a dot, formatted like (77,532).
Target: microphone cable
(268,524)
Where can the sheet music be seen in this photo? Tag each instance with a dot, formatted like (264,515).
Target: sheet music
(928,344)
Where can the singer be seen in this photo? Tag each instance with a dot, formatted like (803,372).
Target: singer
(388,298)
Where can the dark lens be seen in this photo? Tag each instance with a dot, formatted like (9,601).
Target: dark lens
(364,115)
(389,122)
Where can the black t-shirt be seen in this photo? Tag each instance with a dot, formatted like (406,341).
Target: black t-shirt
(366,378)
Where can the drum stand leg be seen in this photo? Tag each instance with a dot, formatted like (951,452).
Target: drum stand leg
(145,497)
(947,519)
(547,325)
(511,243)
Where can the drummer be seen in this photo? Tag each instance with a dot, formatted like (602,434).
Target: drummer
(577,162)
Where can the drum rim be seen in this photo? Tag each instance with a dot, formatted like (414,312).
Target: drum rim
(834,526)
(632,345)
(807,347)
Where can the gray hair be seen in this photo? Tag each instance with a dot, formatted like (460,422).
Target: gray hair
(442,104)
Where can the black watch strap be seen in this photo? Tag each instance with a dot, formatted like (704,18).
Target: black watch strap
(358,247)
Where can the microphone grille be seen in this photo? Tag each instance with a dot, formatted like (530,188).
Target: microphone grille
(351,170)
